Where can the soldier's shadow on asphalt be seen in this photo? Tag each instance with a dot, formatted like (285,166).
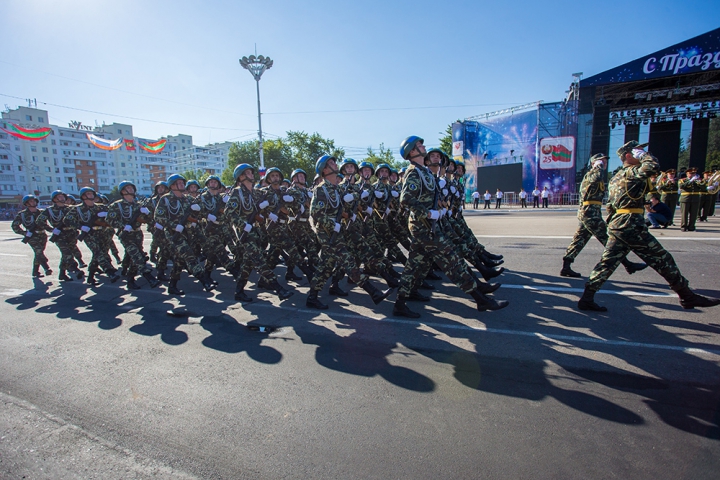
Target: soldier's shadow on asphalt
(690,407)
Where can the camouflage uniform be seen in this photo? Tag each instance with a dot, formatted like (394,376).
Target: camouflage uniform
(668,190)
(92,226)
(25,223)
(591,222)
(126,218)
(300,227)
(52,219)
(214,231)
(627,230)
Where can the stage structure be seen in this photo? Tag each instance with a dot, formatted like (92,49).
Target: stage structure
(655,93)
(520,147)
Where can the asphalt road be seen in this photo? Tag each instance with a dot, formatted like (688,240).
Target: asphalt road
(103,383)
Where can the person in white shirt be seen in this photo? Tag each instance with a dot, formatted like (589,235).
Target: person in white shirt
(487,198)
(523,198)
(498,198)
(545,194)
(536,197)
(476,199)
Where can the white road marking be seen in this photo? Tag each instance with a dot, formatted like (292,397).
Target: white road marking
(12,255)
(556,237)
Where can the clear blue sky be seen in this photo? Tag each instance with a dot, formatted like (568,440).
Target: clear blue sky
(360,73)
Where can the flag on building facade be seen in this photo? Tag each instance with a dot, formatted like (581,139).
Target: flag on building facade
(32,134)
(153,147)
(103,144)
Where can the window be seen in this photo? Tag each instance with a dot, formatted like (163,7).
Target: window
(33,148)
(52,142)
(41,119)
(17,148)
(34,158)
(46,159)
(92,180)
(122,164)
(45,149)
(69,179)
(20,168)
(48,179)
(28,118)
(55,151)
(120,131)
(47,169)
(90,172)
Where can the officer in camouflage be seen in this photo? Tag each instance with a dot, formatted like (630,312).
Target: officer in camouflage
(52,219)
(34,235)
(591,222)
(419,194)
(627,232)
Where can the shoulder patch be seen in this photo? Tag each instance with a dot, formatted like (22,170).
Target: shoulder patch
(321,203)
(412,186)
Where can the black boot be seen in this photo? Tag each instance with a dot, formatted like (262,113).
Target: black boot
(46,267)
(161,276)
(489,262)
(376,295)
(417,296)
(205,281)
(690,299)
(433,276)
(400,309)
(426,286)
(401,258)
(631,267)
(567,271)
(173,288)
(36,271)
(308,271)
(281,292)
(291,277)
(154,282)
(63,277)
(587,302)
(486,288)
(114,275)
(79,274)
(131,285)
(389,279)
(240,294)
(91,276)
(488,273)
(336,290)
(485,303)
(313,302)
(492,256)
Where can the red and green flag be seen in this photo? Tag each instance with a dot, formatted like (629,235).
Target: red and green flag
(153,147)
(32,134)
(130,145)
(561,154)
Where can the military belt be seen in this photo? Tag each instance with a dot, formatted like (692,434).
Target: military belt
(692,193)
(592,202)
(638,211)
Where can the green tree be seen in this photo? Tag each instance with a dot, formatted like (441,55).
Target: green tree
(275,153)
(446,139)
(712,161)
(384,155)
(684,156)
(199,175)
(306,148)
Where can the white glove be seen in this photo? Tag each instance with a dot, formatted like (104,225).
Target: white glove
(379,194)
(288,198)
(159,227)
(28,234)
(144,210)
(638,153)
(302,208)
(247,227)
(364,194)
(212,217)
(433,215)
(353,217)
(445,191)
(453,189)
(443,211)
(273,217)
(226,198)
(128,228)
(179,228)
(309,193)
(56,231)
(395,194)
(448,212)
(264,204)
(85,228)
(348,198)
(387,210)
(102,214)
(695,178)
(442,183)
(195,207)
(368,210)
(598,163)
(337,227)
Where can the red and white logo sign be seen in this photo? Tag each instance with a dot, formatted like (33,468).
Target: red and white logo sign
(557,153)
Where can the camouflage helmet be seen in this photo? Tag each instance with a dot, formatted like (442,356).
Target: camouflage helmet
(629,147)
(27,198)
(242,168)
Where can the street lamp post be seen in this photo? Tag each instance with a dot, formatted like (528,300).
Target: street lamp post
(257,66)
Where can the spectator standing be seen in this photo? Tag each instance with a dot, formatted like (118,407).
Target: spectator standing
(476,199)
(487,198)
(545,194)
(536,197)
(523,198)
(498,198)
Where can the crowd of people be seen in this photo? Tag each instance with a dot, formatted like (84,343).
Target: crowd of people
(350,222)
(537,194)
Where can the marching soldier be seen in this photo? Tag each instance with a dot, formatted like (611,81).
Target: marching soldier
(420,194)
(65,238)
(212,203)
(627,232)
(89,218)
(591,222)
(25,224)
(328,209)
(176,213)
(300,227)
(126,215)
(159,247)
(242,210)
